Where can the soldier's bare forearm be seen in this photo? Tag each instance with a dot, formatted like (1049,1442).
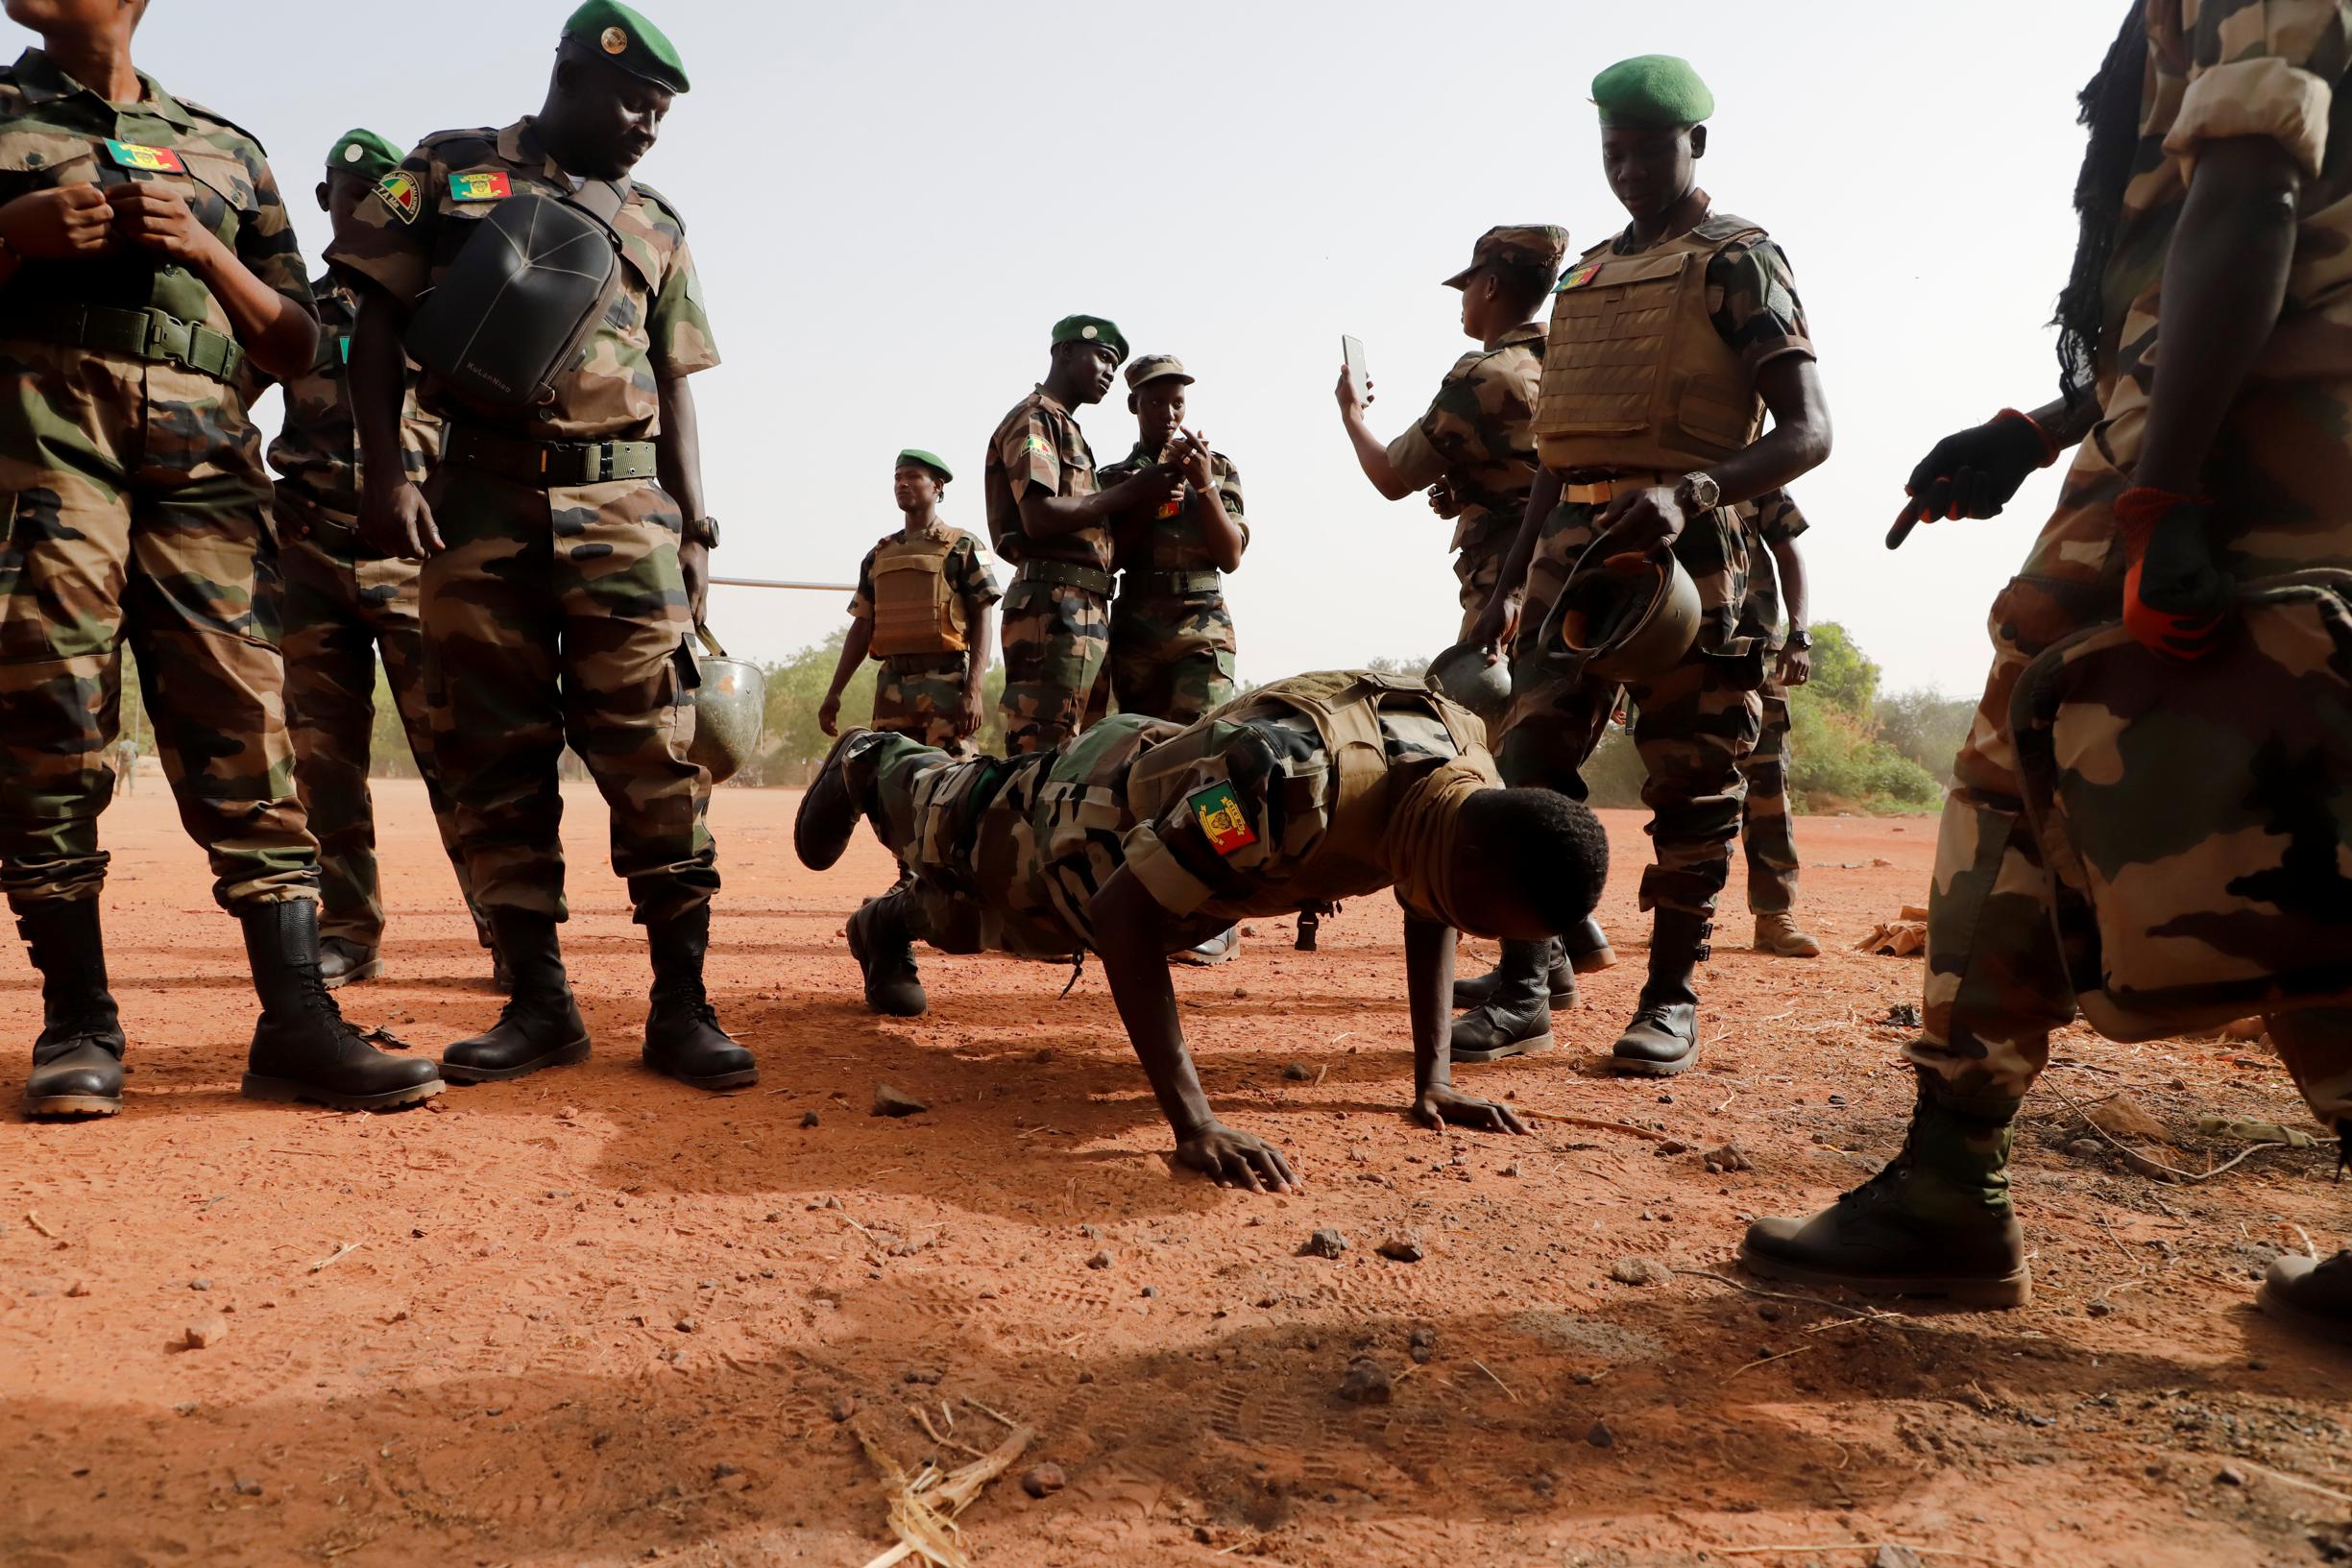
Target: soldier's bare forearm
(277,334)
(2225,285)
(981,619)
(1429,990)
(377,377)
(677,446)
(1056,516)
(1798,442)
(1219,532)
(1796,592)
(1372,457)
(1130,933)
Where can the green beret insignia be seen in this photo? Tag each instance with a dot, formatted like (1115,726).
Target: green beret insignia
(1092,329)
(365,154)
(629,41)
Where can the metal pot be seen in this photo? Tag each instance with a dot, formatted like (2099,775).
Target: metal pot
(1462,674)
(1623,621)
(730,707)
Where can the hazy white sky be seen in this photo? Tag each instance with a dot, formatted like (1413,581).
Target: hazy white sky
(891,201)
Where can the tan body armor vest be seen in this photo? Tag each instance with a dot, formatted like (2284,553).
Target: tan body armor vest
(1634,375)
(915,607)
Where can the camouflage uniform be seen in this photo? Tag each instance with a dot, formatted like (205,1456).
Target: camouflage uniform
(342,608)
(921,694)
(1478,437)
(1008,854)
(2281,475)
(1697,721)
(1765,829)
(1171,636)
(138,501)
(1056,613)
(558,611)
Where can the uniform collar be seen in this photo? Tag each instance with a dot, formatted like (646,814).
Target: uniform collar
(1624,244)
(519,144)
(1524,332)
(1053,403)
(42,79)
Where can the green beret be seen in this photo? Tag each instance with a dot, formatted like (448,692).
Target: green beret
(1652,90)
(613,30)
(929,460)
(365,154)
(1091,329)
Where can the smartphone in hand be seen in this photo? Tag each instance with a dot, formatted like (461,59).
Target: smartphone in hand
(1351,352)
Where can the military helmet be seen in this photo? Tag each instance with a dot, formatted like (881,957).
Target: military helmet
(1624,622)
(1463,674)
(730,707)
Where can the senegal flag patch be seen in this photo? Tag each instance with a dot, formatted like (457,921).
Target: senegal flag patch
(401,192)
(129,154)
(1578,277)
(486,186)
(1218,811)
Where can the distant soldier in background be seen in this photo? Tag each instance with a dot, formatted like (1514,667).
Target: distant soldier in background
(1776,587)
(1474,449)
(922,610)
(1049,519)
(344,605)
(1172,642)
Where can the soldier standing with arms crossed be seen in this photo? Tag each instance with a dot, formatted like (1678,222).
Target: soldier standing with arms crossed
(1705,304)
(145,257)
(1049,519)
(561,581)
(343,606)
(921,608)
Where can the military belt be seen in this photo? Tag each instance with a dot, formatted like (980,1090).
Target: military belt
(334,531)
(1168,585)
(1601,492)
(548,464)
(1067,574)
(156,336)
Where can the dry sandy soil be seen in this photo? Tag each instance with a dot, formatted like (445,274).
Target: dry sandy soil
(594,1318)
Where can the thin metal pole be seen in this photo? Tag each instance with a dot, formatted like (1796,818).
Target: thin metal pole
(770,582)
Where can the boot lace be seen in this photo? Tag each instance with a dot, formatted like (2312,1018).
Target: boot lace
(1876,1185)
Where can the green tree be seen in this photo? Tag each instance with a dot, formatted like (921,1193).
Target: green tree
(1928,727)
(793,743)
(1844,678)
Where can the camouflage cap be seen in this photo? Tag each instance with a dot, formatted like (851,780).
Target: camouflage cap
(620,36)
(923,459)
(1156,368)
(1092,329)
(1527,244)
(365,154)
(1652,90)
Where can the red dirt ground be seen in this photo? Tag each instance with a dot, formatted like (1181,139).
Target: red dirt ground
(593,1317)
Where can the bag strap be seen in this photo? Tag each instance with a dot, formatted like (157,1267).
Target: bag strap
(602,199)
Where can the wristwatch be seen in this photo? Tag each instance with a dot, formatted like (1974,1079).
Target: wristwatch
(1798,639)
(1699,491)
(702,531)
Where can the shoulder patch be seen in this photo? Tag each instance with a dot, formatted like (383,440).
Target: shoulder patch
(132,154)
(482,185)
(1578,275)
(399,191)
(1219,813)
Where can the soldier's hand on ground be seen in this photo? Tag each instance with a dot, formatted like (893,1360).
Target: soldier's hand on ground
(1445,1106)
(60,224)
(971,713)
(1969,473)
(695,565)
(1441,500)
(1351,404)
(1642,524)
(1232,1158)
(829,713)
(149,215)
(1796,666)
(395,523)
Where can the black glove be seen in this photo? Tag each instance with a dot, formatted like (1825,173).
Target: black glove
(1973,473)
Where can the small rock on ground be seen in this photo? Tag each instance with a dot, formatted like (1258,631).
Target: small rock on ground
(1732,1156)
(1298,1072)
(889,1101)
(1600,1437)
(1640,1272)
(1403,1249)
(1043,1480)
(1325,1244)
(206,1332)
(1366,1382)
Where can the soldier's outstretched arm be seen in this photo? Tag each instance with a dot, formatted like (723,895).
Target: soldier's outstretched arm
(1130,933)
(393,518)
(1429,991)
(1973,473)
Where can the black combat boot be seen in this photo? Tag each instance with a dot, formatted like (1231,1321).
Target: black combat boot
(1516,1019)
(884,951)
(1936,1222)
(2314,1296)
(344,963)
(682,1034)
(541,1025)
(1560,979)
(838,798)
(77,1059)
(303,1048)
(1663,1037)
(1587,946)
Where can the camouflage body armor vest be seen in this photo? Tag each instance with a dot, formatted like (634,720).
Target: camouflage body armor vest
(915,610)
(1634,375)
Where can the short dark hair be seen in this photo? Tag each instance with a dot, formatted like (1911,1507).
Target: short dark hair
(1522,285)
(1555,849)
